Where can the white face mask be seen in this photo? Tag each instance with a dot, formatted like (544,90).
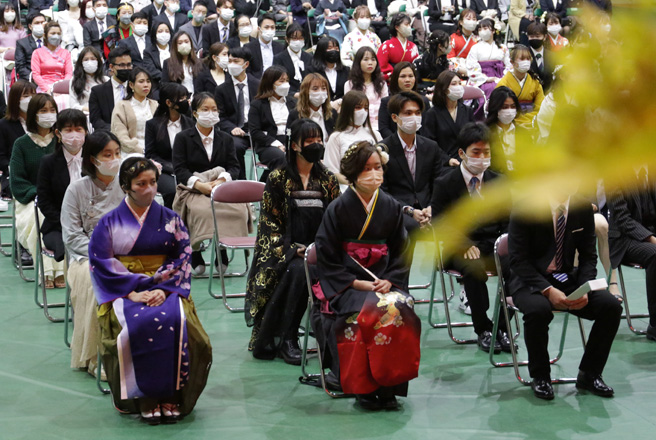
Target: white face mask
(360,116)
(268,34)
(73,3)
(477,165)
(523,66)
(235,69)
(184,49)
(405,31)
(72,141)
(108,167)
(469,25)
(173,7)
(409,124)
(282,89)
(554,29)
(245,31)
(101,12)
(24,102)
(207,119)
(140,29)
(199,18)
(507,115)
(296,45)
(318,98)
(485,34)
(163,38)
(455,92)
(159,2)
(37,30)
(90,66)
(10,17)
(364,23)
(370,180)
(227,14)
(90,14)
(46,120)
(222,62)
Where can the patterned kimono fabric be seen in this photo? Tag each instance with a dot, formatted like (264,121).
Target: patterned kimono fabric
(376,335)
(158,352)
(277,296)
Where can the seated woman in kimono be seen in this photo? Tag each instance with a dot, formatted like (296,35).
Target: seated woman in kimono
(86,200)
(362,273)
(295,199)
(155,351)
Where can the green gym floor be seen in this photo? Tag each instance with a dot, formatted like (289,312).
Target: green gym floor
(458,394)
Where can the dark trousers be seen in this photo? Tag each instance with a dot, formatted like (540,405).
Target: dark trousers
(272,157)
(53,242)
(602,308)
(166,187)
(241,145)
(644,254)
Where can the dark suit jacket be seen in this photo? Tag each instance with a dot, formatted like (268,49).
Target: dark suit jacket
(204,82)
(152,63)
(479,6)
(23,57)
(532,247)
(248,8)
(211,34)
(398,181)
(51,184)
(626,219)
(330,123)
(9,132)
(189,155)
(450,187)
(165,72)
(131,43)
(386,126)
(300,14)
(283,59)
(546,73)
(152,13)
(440,127)
(90,34)
(435,9)
(560,8)
(234,41)
(226,100)
(101,105)
(180,19)
(261,125)
(196,42)
(342,78)
(255,67)
(159,146)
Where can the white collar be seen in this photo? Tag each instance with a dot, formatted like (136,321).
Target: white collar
(70,157)
(202,136)
(175,123)
(282,100)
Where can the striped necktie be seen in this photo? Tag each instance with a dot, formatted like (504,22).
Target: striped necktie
(561,223)
(473,187)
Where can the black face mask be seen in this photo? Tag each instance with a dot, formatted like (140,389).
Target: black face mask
(536,44)
(123,74)
(183,107)
(313,153)
(332,56)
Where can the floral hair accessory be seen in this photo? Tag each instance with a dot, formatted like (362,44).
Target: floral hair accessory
(384,156)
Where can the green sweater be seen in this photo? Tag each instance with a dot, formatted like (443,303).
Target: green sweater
(24,167)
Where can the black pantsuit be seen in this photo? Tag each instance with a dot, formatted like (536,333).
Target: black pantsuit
(52,181)
(264,131)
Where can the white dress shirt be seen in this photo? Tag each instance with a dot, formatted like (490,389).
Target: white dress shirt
(331,74)
(280,113)
(164,54)
(143,114)
(554,216)
(171,18)
(318,118)
(74,164)
(141,43)
(173,128)
(267,54)
(247,101)
(188,80)
(410,152)
(118,89)
(467,175)
(208,144)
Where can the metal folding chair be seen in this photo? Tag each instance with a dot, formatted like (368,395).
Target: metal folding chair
(427,285)
(68,307)
(5,225)
(15,250)
(502,302)
(239,191)
(98,375)
(625,298)
(256,164)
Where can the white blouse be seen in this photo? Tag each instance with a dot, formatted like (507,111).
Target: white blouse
(82,103)
(339,142)
(280,114)
(143,114)
(188,80)
(374,100)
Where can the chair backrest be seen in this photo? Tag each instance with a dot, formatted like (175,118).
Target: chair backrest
(61,87)
(238,191)
(501,246)
(473,93)
(311,255)
(10,55)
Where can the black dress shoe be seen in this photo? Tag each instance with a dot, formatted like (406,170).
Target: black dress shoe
(290,352)
(651,333)
(368,401)
(504,341)
(26,258)
(542,389)
(593,383)
(332,382)
(387,399)
(485,340)
(197,263)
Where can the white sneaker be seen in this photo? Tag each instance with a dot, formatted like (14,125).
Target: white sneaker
(198,270)
(4,206)
(464,302)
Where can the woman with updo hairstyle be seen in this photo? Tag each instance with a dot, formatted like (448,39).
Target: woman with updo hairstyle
(373,337)
(434,61)
(399,47)
(85,202)
(488,60)
(155,351)
(51,63)
(294,202)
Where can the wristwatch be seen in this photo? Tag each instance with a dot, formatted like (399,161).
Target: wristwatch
(408,210)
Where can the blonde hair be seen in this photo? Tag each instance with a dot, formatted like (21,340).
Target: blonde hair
(303,105)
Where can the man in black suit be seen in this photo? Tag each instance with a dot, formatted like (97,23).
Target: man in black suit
(104,96)
(233,99)
(93,30)
(476,256)
(172,16)
(537,34)
(139,41)
(542,253)
(154,10)
(221,29)
(484,5)
(264,49)
(195,26)
(632,233)
(25,46)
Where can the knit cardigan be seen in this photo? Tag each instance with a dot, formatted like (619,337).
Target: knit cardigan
(24,167)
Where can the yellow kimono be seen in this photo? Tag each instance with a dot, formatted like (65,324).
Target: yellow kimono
(530,97)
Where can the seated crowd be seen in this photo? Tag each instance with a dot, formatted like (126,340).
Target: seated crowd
(366,140)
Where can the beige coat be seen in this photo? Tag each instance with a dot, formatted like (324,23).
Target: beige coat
(515,13)
(124,125)
(233,219)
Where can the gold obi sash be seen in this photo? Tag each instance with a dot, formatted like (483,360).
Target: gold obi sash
(146,264)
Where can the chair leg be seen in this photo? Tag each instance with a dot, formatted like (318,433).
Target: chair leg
(68,315)
(98,373)
(40,285)
(625,299)
(16,252)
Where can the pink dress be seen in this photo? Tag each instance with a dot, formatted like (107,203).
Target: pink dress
(49,67)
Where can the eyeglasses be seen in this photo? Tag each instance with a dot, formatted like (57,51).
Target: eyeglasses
(123,66)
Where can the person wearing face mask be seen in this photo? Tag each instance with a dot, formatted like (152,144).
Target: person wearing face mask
(276,292)
(314,103)
(525,83)
(215,73)
(26,46)
(221,29)
(244,32)
(537,34)
(158,52)
(51,63)
(104,96)
(203,158)
(122,30)
(194,26)
(71,19)
(443,122)
(294,60)
(154,10)
(434,61)
(352,125)
(360,252)
(555,41)
(267,118)
(366,76)
(172,16)
(502,109)
(170,118)
(361,35)
(139,42)
(103,192)
(331,18)
(26,156)
(399,47)
(139,253)
(11,29)
(183,65)
(264,48)
(87,73)
(462,40)
(475,255)
(12,126)
(94,31)
(234,98)
(327,63)
(488,60)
